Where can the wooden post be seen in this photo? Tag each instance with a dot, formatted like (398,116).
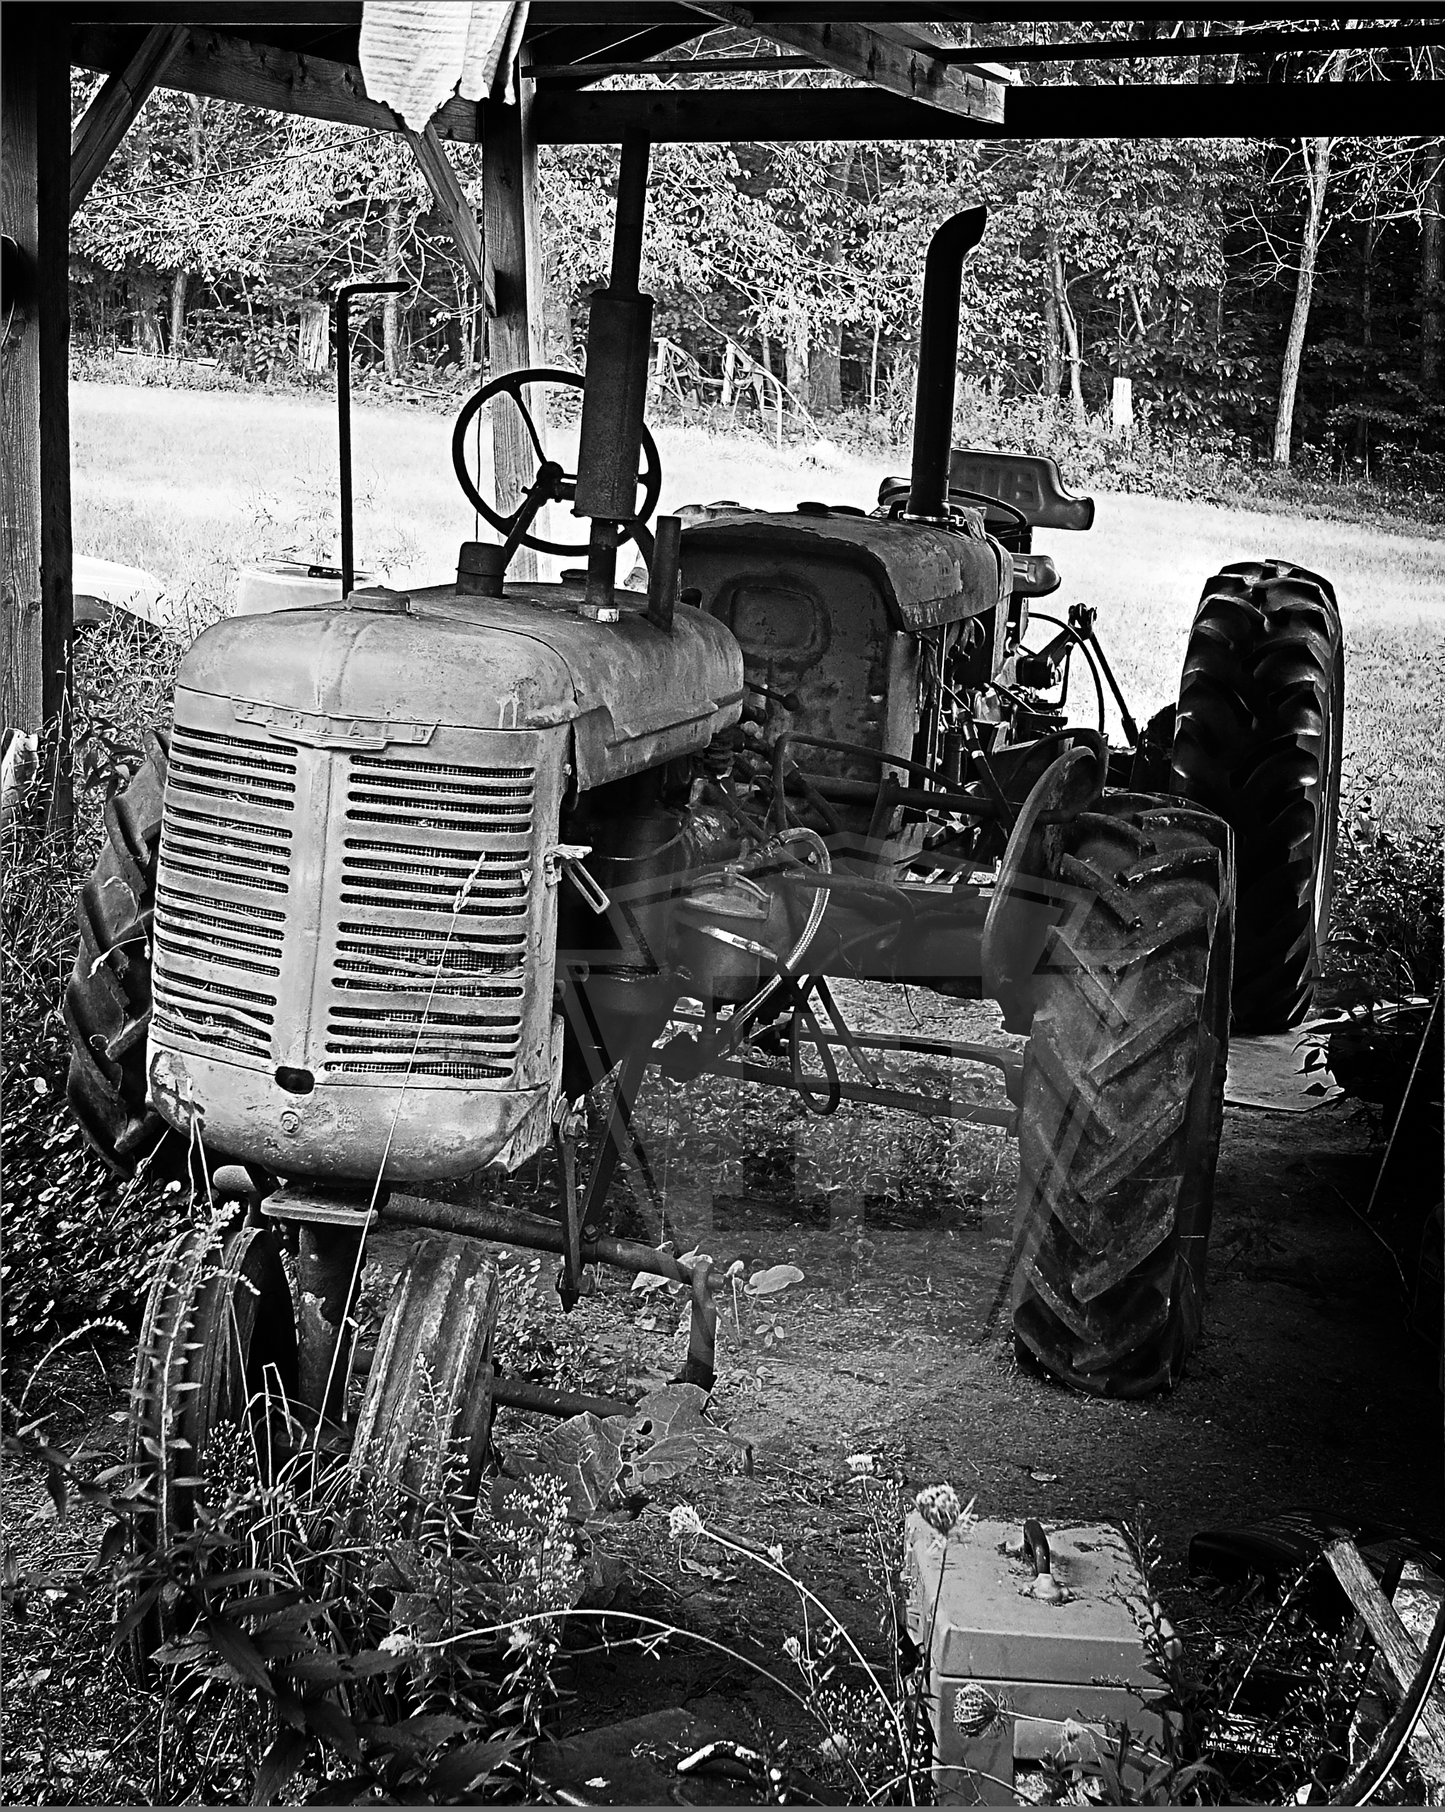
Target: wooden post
(514,267)
(35,576)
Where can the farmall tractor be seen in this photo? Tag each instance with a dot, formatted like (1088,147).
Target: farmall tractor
(412,874)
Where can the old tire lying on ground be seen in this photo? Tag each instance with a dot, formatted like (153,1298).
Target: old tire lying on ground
(424,1431)
(108,997)
(217,1348)
(1258,740)
(1123,1098)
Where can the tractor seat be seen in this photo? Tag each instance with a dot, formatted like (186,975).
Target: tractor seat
(1031,484)
(1025,485)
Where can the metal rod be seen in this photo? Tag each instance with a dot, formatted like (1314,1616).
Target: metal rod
(930,1106)
(507,1227)
(923,1047)
(546,1400)
(594,72)
(343,412)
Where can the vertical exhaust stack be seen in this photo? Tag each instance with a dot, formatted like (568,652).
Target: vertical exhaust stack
(938,362)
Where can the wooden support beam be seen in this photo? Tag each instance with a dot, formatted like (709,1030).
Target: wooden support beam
(35,553)
(112,113)
(455,209)
(770,116)
(513,255)
(898,58)
(260,75)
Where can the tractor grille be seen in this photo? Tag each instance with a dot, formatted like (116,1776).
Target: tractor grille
(224,874)
(428,974)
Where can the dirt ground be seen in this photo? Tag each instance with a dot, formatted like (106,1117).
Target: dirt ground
(1307,1389)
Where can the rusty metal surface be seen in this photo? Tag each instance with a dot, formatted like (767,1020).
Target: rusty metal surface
(927,576)
(634,694)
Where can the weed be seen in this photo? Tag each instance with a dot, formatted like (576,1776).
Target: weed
(1388,912)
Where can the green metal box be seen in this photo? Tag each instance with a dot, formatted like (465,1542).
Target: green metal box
(1007,1669)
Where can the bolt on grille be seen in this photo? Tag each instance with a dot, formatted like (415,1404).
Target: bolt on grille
(224,872)
(428,975)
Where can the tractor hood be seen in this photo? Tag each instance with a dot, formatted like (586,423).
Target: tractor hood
(927,574)
(391,668)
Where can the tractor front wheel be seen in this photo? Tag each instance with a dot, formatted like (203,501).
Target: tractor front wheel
(424,1431)
(1123,1099)
(215,1369)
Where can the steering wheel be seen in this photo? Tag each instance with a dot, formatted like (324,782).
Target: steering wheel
(564,484)
(990,504)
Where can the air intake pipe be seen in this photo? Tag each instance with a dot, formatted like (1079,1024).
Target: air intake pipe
(938,361)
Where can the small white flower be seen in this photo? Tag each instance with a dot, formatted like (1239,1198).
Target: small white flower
(775,1553)
(793,1649)
(862,1465)
(684,1520)
(399,1643)
(835,1748)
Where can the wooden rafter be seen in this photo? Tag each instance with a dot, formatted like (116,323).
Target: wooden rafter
(455,209)
(260,75)
(112,113)
(755,115)
(898,58)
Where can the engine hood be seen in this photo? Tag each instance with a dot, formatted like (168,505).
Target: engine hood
(927,574)
(387,668)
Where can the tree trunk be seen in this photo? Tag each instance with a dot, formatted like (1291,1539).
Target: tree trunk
(391,315)
(1315,153)
(796,337)
(1052,363)
(730,365)
(1432,271)
(1065,318)
(825,372)
(147,337)
(178,313)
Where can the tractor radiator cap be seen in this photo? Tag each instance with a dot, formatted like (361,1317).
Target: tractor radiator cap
(378,598)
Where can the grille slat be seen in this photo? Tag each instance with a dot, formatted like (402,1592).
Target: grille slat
(221,888)
(452,846)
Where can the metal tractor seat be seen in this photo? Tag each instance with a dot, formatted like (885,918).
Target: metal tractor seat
(1027,485)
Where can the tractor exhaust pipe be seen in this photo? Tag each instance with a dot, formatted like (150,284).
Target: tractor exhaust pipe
(938,362)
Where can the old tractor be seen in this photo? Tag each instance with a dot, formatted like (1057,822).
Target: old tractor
(412,874)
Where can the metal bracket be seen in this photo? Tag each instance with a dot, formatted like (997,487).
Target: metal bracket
(566,859)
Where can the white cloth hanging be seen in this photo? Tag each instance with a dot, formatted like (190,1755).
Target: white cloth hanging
(416,54)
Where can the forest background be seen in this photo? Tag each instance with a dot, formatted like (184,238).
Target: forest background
(1163,314)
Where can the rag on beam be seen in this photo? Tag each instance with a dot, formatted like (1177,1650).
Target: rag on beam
(416,54)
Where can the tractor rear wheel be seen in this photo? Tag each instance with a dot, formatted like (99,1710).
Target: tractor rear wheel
(217,1348)
(1123,1096)
(108,997)
(424,1431)
(1258,740)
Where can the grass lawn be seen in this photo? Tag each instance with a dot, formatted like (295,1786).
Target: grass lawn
(193,485)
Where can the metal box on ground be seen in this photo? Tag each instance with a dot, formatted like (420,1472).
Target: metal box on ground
(1007,1668)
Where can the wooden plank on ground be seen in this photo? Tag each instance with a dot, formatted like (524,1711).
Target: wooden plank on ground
(112,113)
(1394,1643)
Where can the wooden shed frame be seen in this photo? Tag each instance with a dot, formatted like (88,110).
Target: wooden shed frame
(898,79)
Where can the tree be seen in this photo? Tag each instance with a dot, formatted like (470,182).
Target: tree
(1315,156)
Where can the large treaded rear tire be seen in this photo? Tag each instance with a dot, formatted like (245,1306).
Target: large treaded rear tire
(1258,739)
(108,997)
(1123,1098)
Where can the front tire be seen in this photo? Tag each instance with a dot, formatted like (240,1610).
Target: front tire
(1123,1098)
(217,1348)
(1258,740)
